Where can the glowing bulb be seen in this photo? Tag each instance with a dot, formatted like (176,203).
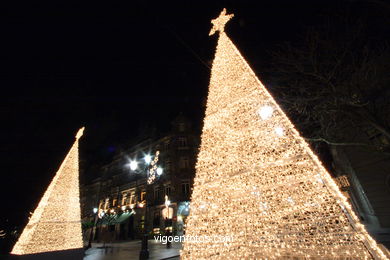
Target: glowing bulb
(95,210)
(133,165)
(159,171)
(266,112)
(147,159)
(123,208)
(279,131)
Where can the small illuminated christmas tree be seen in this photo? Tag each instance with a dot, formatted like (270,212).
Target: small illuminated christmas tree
(257,180)
(55,224)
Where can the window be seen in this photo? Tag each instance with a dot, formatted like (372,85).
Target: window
(168,191)
(132,198)
(143,195)
(184,163)
(182,127)
(107,204)
(166,145)
(182,142)
(168,165)
(124,197)
(185,188)
(158,193)
(156,219)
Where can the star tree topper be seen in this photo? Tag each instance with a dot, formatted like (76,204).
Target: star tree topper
(220,21)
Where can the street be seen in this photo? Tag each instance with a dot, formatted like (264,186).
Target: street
(130,251)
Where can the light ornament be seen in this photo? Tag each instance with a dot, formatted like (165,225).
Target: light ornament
(55,224)
(154,170)
(279,131)
(266,112)
(238,152)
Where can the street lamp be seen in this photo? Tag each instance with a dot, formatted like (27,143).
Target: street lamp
(168,232)
(133,165)
(147,159)
(167,202)
(151,171)
(94,210)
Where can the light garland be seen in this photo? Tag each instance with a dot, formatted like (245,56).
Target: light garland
(154,170)
(258,181)
(55,224)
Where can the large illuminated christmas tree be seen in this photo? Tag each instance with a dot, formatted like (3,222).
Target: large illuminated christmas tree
(55,224)
(257,180)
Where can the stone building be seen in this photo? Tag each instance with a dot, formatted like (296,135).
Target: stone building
(145,188)
(364,176)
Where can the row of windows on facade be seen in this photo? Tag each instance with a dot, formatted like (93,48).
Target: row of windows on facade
(184,163)
(181,143)
(130,198)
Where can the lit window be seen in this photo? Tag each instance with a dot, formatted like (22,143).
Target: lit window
(143,195)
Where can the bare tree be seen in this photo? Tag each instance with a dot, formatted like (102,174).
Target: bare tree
(336,79)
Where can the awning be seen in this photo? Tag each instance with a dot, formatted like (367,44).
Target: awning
(123,217)
(114,219)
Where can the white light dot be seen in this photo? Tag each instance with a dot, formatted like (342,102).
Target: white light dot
(279,131)
(266,112)
(159,171)
(148,159)
(133,165)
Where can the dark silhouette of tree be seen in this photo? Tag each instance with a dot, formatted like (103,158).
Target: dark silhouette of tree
(337,79)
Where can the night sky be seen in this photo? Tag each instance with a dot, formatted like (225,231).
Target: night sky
(115,66)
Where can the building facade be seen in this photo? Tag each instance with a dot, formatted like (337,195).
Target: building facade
(146,187)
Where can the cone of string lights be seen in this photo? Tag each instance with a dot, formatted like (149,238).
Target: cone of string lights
(54,229)
(259,191)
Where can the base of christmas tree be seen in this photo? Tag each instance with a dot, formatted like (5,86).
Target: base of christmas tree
(74,254)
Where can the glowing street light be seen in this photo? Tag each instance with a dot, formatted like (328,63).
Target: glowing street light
(167,201)
(159,171)
(133,165)
(95,210)
(147,159)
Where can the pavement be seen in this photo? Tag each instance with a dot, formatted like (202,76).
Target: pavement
(129,250)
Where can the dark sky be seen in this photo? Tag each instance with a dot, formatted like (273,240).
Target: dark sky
(113,66)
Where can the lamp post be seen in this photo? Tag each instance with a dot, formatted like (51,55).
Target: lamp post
(95,210)
(152,171)
(168,232)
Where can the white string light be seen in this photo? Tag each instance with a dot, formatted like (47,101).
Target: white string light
(55,224)
(257,179)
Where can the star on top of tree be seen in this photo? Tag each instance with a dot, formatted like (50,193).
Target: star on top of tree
(220,21)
